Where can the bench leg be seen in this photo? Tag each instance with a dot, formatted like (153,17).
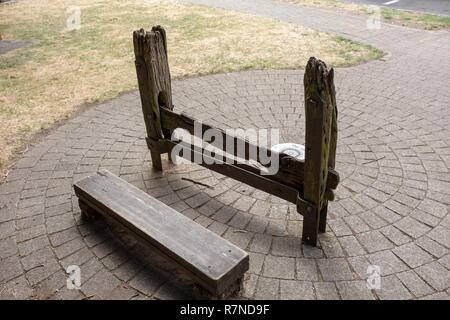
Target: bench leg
(86,211)
(323,217)
(232,291)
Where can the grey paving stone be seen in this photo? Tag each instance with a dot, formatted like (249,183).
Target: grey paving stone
(94,238)
(37,258)
(30,222)
(395,235)
(414,283)
(278,211)
(392,289)
(331,246)
(58,223)
(16,289)
(238,237)
(257,224)
(431,246)
(256,262)
(59,238)
(356,223)
(42,272)
(122,292)
(197,200)
(276,228)
(103,249)
(8,247)
(412,255)
(435,275)
(441,235)
(306,269)
(88,269)
(374,241)
(7,214)
(312,252)
(147,281)
(173,291)
(78,258)
(249,286)
(267,289)
(244,203)
(34,244)
(224,214)
(7,229)
(33,232)
(445,261)
(101,285)
(48,287)
(412,227)
(218,228)
(261,243)
(351,246)
(388,262)
(326,291)
(437,296)
(296,290)
(433,207)
(240,220)
(286,247)
(260,208)
(11,268)
(210,207)
(279,267)
(339,227)
(354,290)
(334,269)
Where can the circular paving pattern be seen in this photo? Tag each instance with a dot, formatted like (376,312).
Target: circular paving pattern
(382,215)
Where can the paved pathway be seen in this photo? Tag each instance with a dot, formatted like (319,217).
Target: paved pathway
(392,207)
(441,7)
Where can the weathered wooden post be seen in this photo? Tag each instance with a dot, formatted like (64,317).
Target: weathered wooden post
(152,68)
(321,138)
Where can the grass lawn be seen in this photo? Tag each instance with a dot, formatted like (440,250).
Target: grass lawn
(399,17)
(44,82)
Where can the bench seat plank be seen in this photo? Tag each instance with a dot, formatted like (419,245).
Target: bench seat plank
(212,260)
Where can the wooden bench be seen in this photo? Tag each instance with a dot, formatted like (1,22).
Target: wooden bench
(309,184)
(216,264)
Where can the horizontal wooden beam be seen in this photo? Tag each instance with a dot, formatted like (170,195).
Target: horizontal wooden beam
(240,172)
(291,170)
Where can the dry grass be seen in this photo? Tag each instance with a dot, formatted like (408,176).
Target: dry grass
(42,83)
(399,17)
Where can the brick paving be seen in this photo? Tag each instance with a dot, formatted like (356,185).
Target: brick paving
(391,208)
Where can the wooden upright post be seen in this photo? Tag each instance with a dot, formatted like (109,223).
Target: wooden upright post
(332,148)
(152,68)
(320,146)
